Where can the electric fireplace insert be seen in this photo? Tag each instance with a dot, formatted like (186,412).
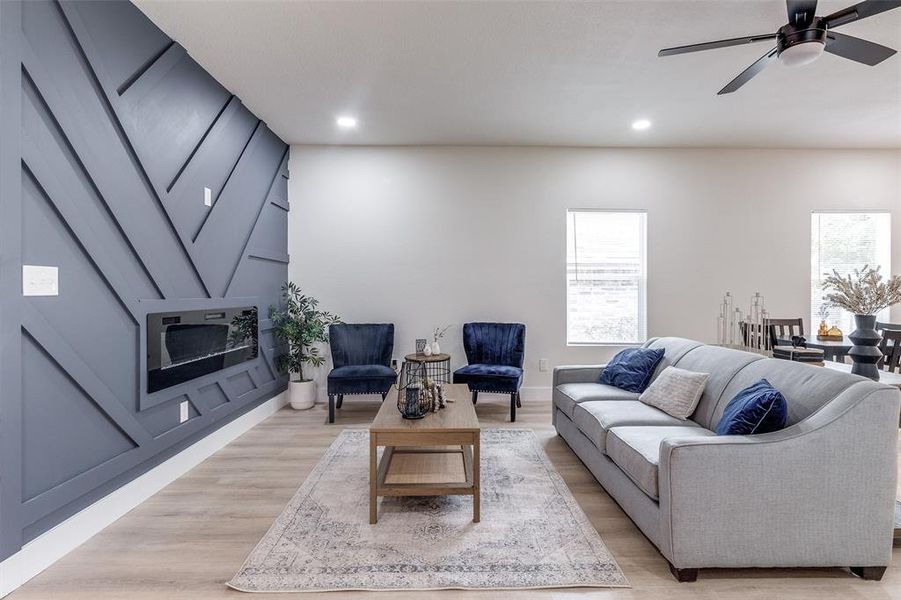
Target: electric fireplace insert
(185,345)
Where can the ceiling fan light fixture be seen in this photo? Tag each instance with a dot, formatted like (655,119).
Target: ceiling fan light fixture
(802,54)
(804,39)
(799,47)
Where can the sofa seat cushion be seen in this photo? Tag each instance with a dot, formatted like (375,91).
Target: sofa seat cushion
(568,395)
(636,450)
(490,378)
(596,418)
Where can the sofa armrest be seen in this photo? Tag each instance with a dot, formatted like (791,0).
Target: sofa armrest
(577,374)
(818,493)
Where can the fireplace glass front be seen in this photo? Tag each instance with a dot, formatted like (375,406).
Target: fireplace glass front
(185,345)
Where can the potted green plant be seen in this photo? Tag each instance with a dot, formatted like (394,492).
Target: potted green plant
(863,295)
(301,326)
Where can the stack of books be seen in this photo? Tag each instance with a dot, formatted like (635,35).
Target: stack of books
(811,356)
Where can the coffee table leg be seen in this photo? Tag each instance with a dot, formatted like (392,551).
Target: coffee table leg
(477,491)
(373,479)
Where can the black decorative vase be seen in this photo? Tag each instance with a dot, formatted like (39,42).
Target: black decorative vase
(865,352)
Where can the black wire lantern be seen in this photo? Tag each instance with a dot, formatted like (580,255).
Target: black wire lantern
(417,395)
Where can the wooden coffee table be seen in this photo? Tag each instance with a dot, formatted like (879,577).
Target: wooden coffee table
(437,455)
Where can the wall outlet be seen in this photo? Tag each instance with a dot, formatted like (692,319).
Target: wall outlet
(40,281)
(183,412)
(542,364)
(207,196)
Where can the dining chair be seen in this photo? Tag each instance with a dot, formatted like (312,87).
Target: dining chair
(752,335)
(784,329)
(880,327)
(361,356)
(890,345)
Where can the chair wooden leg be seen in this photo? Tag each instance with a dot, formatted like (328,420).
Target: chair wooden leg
(340,401)
(683,575)
(331,408)
(518,400)
(513,407)
(475,396)
(869,573)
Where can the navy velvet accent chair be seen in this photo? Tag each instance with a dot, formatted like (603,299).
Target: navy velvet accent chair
(361,357)
(495,353)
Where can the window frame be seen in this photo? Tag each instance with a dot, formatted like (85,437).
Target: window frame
(643,280)
(814,323)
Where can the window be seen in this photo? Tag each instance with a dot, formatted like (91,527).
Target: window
(606,277)
(845,241)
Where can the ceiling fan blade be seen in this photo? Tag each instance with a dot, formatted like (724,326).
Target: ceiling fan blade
(746,75)
(859,11)
(856,49)
(717,44)
(801,12)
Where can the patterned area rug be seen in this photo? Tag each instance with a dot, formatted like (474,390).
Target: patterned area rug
(532,533)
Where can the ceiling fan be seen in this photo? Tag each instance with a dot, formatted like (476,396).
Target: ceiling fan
(804,38)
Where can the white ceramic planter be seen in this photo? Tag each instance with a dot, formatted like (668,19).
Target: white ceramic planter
(302,394)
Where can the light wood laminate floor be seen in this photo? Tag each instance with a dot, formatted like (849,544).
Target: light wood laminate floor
(187,540)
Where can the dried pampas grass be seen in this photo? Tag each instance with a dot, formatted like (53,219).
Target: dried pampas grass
(863,294)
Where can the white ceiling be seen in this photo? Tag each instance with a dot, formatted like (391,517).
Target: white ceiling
(529,73)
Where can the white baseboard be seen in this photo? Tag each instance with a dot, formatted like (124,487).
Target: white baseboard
(535,393)
(530,393)
(44,550)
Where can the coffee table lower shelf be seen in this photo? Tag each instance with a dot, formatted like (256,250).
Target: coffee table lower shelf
(424,471)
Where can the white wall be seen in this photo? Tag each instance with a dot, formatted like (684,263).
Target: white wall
(428,236)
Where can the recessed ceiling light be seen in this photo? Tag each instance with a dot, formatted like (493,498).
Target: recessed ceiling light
(641,124)
(346,122)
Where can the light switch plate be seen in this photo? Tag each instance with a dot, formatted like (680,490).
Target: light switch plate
(183,414)
(40,281)
(207,196)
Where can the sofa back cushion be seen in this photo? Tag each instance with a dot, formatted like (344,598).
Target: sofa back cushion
(806,388)
(723,364)
(674,347)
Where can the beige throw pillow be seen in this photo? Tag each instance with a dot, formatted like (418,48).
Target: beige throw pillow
(676,391)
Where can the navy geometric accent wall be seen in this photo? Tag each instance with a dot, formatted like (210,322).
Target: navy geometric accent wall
(109,133)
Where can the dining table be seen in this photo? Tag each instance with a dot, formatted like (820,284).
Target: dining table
(834,350)
(887,377)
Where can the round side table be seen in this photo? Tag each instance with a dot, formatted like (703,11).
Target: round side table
(436,366)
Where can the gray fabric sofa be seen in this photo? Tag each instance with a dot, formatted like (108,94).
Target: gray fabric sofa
(821,492)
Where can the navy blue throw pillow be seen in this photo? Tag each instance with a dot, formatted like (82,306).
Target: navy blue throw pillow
(631,369)
(759,408)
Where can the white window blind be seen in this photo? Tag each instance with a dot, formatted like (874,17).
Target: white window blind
(606,277)
(845,241)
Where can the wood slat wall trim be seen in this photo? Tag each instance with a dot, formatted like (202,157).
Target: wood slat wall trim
(93,182)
